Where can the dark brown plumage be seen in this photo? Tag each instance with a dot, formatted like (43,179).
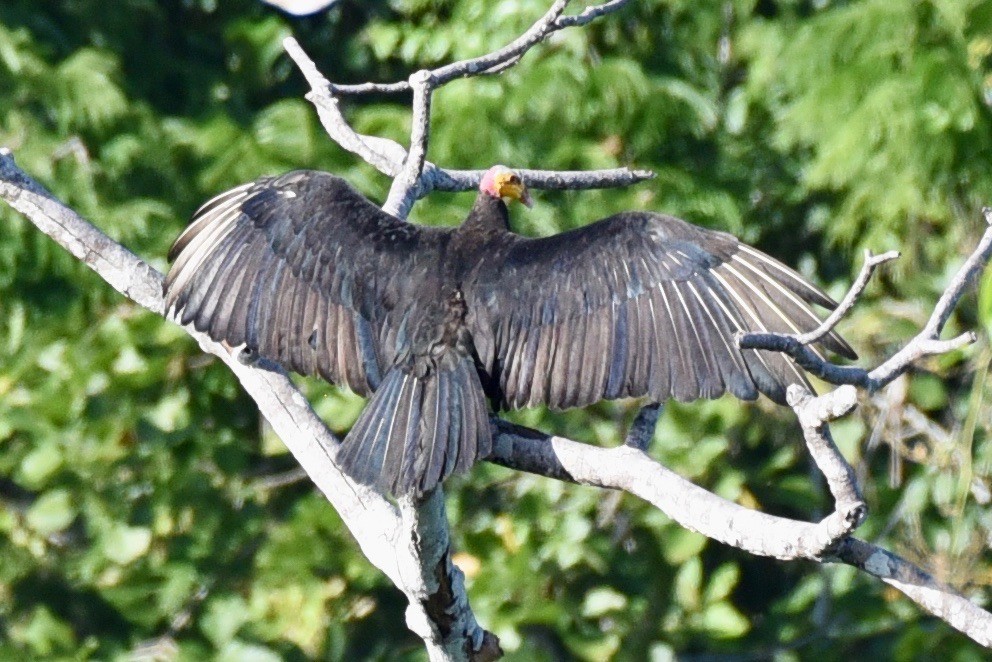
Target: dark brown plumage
(303,270)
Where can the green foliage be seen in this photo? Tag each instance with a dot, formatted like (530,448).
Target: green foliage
(138,510)
(891,98)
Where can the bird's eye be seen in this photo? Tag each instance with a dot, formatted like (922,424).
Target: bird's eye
(514,179)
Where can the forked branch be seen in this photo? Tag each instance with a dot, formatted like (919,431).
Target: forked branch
(411,543)
(926,343)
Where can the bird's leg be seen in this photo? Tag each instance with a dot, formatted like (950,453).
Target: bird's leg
(642,431)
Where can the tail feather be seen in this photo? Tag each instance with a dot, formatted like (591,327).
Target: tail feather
(416,431)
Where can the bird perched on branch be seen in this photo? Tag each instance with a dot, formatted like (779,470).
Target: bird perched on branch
(428,322)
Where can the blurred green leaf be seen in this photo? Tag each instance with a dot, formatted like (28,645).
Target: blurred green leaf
(721,583)
(723,621)
(222,620)
(681,544)
(688,583)
(52,512)
(38,465)
(928,392)
(602,600)
(124,544)
(237,651)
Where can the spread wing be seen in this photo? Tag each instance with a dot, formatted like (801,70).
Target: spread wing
(303,270)
(636,304)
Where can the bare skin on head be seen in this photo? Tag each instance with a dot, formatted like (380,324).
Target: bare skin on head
(501,182)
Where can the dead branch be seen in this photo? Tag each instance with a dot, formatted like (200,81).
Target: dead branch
(926,343)
(411,542)
(385,535)
(418,565)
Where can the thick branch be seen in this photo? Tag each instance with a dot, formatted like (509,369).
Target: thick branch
(814,413)
(439,611)
(375,523)
(630,469)
(923,589)
(420,563)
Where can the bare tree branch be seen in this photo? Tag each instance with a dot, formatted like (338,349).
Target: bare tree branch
(547,180)
(872,262)
(925,343)
(533,36)
(498,60)
(589,14)
(630,469)
(642,431)
(412,180)
(382,530)
(404,191)
(923,589)
(814,413)
(428,579)
(390,158)
(411,543)
(384,155)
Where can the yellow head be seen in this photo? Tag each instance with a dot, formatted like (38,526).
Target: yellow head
(501,182)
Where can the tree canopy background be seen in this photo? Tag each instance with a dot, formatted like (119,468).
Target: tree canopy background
(140,497)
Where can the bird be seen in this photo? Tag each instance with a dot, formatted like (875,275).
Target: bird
(435,325)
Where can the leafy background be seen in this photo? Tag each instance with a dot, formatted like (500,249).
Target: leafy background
(145,509)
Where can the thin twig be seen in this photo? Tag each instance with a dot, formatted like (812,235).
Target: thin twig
(925,343)
(369,88)
(376,152)
(928,337)
(403,193)
(589,14)
(872,262)
(499,60)
(546,180)
(534,35)
(376,524)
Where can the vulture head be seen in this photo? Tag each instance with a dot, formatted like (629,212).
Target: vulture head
(503,183)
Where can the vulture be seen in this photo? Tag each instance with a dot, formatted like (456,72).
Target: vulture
(429,323)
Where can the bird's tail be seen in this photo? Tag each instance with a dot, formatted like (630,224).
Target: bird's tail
(415,431)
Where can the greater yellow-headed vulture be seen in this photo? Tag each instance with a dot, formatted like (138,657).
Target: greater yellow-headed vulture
(428,322)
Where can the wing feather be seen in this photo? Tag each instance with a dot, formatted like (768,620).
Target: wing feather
(638,304)
(299,267)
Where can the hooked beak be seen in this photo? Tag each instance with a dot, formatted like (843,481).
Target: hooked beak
(525,198)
